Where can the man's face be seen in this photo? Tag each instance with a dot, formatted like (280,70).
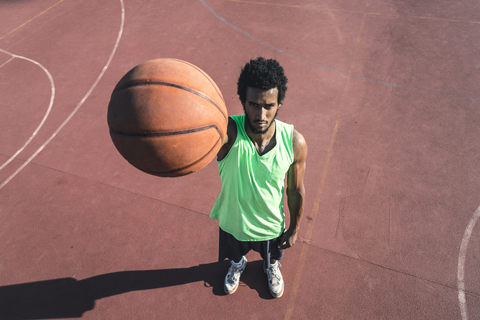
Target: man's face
(261,107)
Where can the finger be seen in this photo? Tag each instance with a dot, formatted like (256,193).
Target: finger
(285,245)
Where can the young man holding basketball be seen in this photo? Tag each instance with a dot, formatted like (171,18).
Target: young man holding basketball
(258,153)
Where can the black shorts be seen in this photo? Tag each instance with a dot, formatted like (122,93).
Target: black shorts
(233,249)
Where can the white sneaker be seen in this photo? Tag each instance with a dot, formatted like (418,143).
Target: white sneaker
(233,277)
(275,280)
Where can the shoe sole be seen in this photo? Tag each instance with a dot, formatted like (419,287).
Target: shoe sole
(233,291)
(278,295)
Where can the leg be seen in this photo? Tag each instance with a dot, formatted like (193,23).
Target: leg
(234,250)
(232,279)
(275,279)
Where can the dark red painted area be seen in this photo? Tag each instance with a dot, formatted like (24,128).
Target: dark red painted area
(392,177)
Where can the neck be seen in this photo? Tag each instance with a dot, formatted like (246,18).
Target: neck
(261,138)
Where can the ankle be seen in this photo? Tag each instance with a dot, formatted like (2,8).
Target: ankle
(239,263)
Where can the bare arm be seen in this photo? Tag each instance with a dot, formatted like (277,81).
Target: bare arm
(295,190)
(229,139)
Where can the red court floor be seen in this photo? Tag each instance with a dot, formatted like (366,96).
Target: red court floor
(385,93)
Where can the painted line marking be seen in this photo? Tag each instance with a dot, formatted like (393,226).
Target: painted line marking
(318,197)
(443,19)
(52,98)
(79,104)
(38,15)
(461,264)
(319,193)
(265,3)
(5,63)
(359,12)
(338,71)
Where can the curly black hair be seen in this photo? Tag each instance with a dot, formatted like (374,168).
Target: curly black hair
(263,74)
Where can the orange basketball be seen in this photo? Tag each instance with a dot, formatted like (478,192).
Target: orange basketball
(167,117)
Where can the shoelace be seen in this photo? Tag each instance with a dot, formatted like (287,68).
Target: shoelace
(274,274)
(231,274)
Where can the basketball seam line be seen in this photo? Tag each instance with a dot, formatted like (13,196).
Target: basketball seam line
(206,77)
(187,166)
(168,84)
(163,134)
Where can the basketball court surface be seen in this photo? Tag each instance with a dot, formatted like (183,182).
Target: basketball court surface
(386,94)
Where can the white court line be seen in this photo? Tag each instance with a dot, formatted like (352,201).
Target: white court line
(79,104)
(461,264)
(52,98)
(476,215)
(7,60)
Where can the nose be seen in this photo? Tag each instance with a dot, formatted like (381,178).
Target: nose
(261,114)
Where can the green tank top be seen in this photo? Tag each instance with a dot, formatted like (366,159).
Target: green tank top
(250,204)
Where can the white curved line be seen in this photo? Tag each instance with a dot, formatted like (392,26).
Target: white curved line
(461,264)
(476,215)
(7,60)
(79,104)
(52,98)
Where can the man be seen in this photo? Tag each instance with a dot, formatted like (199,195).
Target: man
(258,153)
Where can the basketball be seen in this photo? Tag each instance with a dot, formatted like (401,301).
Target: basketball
(167,118)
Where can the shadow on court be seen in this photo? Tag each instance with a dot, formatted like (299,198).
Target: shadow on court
(70,298)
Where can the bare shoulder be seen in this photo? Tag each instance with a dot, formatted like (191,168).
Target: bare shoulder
(299,146)
(229,139)
(231,131)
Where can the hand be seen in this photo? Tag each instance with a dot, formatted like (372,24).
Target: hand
(288,239)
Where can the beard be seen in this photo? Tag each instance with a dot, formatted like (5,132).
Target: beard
(257,131)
